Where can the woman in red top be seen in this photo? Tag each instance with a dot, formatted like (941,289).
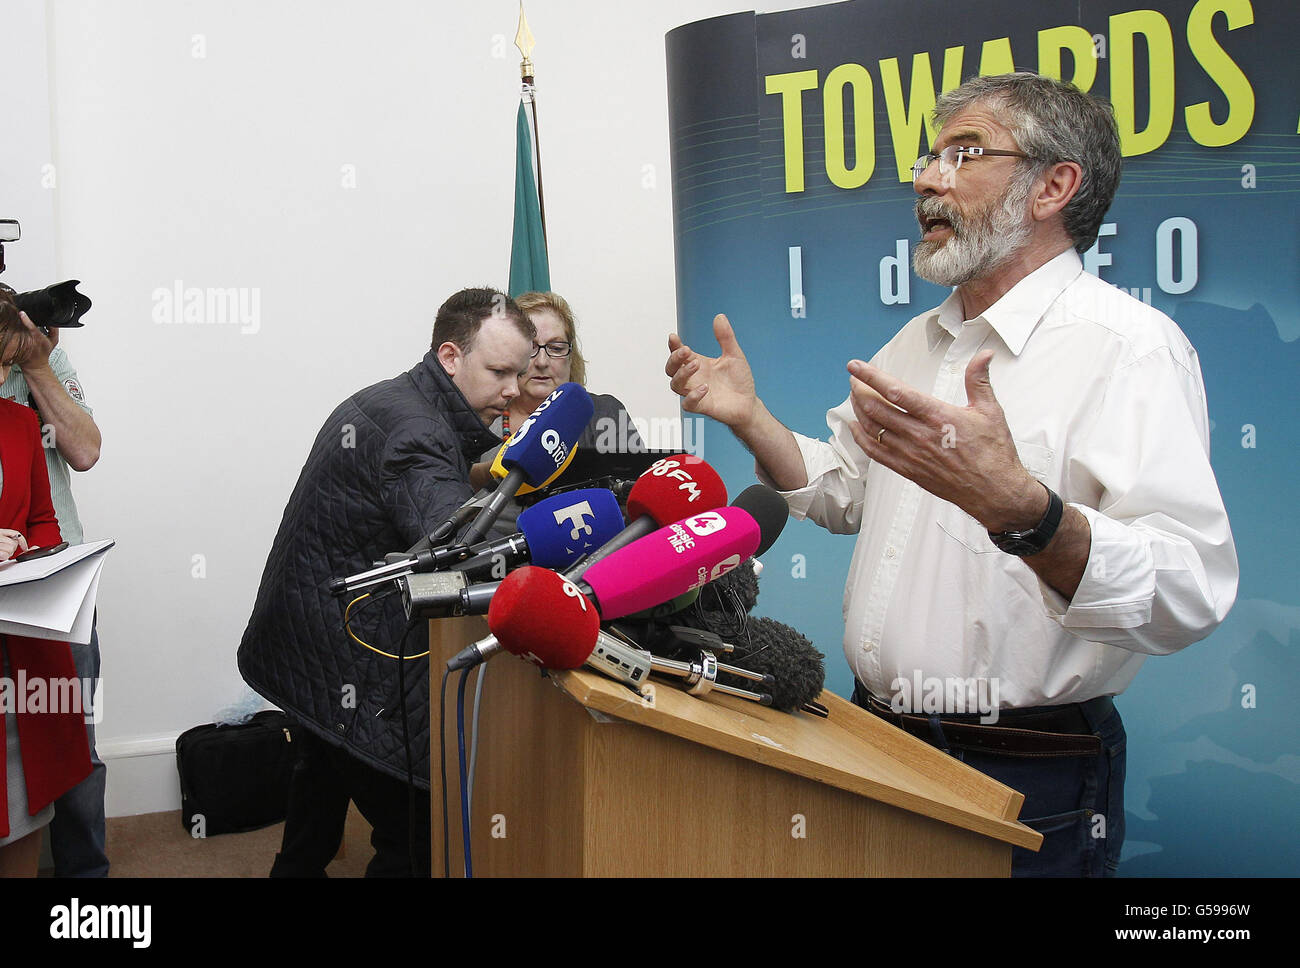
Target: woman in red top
(49,754)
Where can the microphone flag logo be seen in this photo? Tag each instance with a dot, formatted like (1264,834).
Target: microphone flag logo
(706,523)
(722,567)
(576,516)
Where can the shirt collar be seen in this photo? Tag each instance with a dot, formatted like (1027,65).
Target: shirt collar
(1018,312)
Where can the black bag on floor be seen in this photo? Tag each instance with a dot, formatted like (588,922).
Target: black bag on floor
(236,778)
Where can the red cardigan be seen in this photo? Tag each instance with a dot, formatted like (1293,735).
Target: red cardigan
(55,752)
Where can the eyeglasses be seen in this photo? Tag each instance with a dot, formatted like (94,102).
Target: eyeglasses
(950,158)
(557,350)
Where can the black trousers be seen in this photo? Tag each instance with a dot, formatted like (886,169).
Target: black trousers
(325,779)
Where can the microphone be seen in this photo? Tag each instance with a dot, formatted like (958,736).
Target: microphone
(537,615)
(775,649)
(499,471)
(443,532)
(670,489)
(674,559)
(684,555)
(626,662)
(769,509)
(672,606)
(543,618)
(552,533)
(771,513)
(538,450)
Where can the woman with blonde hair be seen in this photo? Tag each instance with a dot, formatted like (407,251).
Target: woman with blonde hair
(558,359)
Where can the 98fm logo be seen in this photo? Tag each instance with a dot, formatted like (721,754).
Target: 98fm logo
(671,468)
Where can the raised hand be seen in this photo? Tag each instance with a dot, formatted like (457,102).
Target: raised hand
(720,387)
(965,455)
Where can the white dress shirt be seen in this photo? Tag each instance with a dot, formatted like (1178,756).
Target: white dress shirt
(1105,401)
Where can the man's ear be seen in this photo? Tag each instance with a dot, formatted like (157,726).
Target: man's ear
(1059,185)
(450,356)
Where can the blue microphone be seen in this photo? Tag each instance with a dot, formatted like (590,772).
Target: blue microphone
(537,449)
(553,533)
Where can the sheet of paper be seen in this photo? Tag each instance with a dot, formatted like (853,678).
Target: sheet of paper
(58,607)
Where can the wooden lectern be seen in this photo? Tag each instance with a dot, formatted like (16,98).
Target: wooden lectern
(578,776)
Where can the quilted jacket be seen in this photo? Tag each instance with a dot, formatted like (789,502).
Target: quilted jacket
(389,465)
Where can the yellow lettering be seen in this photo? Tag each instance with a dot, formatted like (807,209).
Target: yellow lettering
(791,87)
(1223,71)
(853,76)
(1124,27)
(995,57)
(905,122)
(1080,45)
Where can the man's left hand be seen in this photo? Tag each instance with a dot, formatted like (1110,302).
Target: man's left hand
(965,455)
(39,346)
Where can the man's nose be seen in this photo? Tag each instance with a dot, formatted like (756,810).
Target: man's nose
(929,182)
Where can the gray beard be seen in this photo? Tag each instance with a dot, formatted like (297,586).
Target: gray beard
(978,245)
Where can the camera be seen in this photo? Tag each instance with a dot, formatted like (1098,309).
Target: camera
(59,305)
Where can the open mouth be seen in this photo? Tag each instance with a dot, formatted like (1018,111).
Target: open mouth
(934,227)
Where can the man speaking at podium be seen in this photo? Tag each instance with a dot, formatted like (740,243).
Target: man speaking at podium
(389,465)
(1026,468)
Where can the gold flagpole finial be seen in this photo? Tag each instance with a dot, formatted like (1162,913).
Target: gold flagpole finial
(525,42)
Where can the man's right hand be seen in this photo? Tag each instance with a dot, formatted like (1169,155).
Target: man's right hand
(11,543)
(720,387)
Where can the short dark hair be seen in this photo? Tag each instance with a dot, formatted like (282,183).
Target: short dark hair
(1052,121)
(460,317)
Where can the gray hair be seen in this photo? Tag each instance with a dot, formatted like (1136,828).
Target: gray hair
(1052,121)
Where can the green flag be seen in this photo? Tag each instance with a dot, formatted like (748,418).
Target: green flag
(530,271)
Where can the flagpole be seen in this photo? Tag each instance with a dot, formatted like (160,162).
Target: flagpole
(524,41)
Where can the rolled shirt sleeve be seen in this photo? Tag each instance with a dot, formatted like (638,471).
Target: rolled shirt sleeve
(1162,568)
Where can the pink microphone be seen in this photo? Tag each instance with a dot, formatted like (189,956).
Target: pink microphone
(684,555)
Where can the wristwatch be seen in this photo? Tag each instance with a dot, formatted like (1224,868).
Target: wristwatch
(1025,543)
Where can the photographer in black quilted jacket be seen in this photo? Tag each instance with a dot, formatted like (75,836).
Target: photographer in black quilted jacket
(390,464)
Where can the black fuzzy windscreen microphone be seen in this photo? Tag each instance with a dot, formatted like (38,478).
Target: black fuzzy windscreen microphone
(776,649)
(723,604)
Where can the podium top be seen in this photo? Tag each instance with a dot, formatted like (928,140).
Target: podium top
(852,750)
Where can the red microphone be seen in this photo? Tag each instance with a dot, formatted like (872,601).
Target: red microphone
(538,615)
(670,489)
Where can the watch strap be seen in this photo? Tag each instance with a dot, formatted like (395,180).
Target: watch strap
(1025,543)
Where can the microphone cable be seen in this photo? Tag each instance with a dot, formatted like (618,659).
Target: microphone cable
(347,624)
(474,719)
(464,772)
(406,745)
(442,757)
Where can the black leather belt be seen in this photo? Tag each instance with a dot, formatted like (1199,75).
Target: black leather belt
(1039,731)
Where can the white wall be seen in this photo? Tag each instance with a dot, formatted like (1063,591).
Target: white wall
(24,161)
(226,170)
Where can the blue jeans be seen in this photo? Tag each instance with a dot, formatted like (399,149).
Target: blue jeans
(1075,802)
(77,830)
